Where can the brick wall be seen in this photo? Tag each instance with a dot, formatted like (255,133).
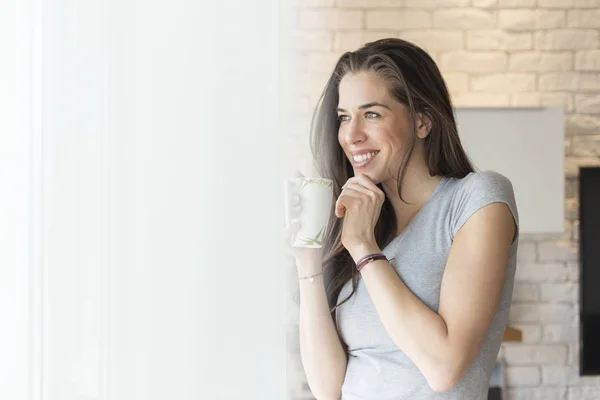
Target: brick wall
(492,53)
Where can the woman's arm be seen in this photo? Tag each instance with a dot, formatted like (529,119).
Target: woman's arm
(443,345)
(323,357)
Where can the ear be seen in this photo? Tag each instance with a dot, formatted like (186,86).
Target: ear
(423,125)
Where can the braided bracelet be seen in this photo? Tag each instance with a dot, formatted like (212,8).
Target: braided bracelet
(368,259)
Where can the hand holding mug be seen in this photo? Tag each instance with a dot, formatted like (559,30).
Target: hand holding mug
(307,251)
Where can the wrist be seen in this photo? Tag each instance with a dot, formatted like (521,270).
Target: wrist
(305,268)
(359,251)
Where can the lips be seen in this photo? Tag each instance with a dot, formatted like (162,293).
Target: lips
(364,163)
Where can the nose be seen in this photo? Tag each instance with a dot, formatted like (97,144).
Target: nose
(355,132)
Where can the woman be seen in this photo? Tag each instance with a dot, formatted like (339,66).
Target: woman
(424,319)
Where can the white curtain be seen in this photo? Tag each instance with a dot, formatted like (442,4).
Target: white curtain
(141,201)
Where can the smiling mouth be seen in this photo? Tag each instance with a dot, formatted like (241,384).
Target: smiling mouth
(363,162)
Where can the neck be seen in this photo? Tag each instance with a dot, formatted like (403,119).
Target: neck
(417,188)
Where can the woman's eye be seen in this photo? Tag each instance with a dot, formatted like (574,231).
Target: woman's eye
(371,115)
(342,118)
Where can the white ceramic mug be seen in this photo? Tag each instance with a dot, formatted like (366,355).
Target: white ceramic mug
(316,195)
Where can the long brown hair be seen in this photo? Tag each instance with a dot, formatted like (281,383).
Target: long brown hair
(414,80)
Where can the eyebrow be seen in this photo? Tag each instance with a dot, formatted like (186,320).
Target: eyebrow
(368,105)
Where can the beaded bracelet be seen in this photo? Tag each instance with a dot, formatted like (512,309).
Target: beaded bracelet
(368,259)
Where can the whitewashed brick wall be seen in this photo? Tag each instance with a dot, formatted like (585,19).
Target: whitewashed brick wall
(492,53)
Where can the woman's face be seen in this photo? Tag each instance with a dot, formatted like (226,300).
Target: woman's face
(371,119)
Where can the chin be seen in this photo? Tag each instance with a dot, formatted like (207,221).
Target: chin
(373,176)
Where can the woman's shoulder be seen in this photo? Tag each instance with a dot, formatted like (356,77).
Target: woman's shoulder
(481,184)
(478,189)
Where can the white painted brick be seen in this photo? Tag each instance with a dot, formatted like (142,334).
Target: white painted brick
(584,393)
(498,83)
(583,19)
(587,103)
(523,376)
(567,39)
(498,40)
(564,332)
(467,18)
(569,3)
(572,165)
(540,312)
(575,231)
(516,3)
(558,99)
(559,292)
(485,3)
(583,146)
(567,151)
(527,251)
(370,3)
(350,41)
(432,40)
(557,251)
(330,19)
(307,41)
(587,60)
(540,237)
(528,20)
(540,61)
(589,82)
(481,100)
(526,292)
(520,354)
(475,62)
(398,20)
(435,3)
(558,81)
(457,81)
(556,375)
(573,353)
(555,3)
(541,393)
(547,272)
(586,3)
(559,375)
(582,125)
(321,62)
(313,3)
(532,333)
(525,99)
(572,271)
(575,149)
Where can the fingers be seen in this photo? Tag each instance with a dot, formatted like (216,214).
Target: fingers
(365,181)
(352,189)
(357,188)
(347,198)
(289,233)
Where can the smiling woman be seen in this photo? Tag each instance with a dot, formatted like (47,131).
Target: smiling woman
(428,326)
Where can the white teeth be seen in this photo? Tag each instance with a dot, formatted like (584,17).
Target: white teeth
(364,157)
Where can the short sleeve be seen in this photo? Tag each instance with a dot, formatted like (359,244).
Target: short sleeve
(477,190)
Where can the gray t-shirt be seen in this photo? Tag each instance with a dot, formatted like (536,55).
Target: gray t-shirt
(377,368)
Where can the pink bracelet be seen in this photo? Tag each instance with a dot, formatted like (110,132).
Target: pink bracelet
(368,259)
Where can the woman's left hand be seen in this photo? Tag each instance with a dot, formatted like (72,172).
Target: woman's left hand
(360,205)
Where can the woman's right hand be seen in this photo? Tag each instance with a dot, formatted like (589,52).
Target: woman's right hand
(308,260)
